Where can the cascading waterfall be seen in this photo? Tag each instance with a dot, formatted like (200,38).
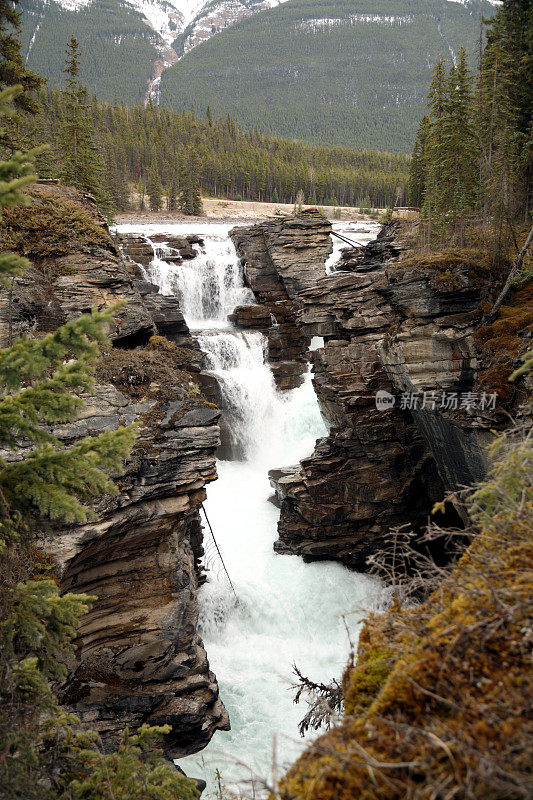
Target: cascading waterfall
(208,287)
(288,612)
(238,361)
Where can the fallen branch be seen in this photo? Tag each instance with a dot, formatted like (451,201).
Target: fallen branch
(491,316)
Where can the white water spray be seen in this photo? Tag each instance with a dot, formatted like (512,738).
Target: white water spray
(208,287)
(289,612)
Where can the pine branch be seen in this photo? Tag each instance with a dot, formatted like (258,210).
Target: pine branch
(46,401)
(30,359)
(57,483)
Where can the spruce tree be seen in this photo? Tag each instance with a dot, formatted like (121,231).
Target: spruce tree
(82,164)
(458,169)
(14,72)
(190,198)
(436,102)
(154,188)
(172,197)
(504,99)
(418,167)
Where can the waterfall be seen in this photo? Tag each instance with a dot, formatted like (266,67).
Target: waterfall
(208,287)
(251,403)
(289,612)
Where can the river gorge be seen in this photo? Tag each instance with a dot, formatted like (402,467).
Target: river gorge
(285,611)
(265,474)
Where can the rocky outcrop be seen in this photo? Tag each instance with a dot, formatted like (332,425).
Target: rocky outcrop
(137,248)
(140,250)
(139,656)
(280,257)
(385,246)
(407,332)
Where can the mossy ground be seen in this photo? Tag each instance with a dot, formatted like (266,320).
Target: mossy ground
(438,704)
(150,372)
(447,260)
(502,342)
(53,225)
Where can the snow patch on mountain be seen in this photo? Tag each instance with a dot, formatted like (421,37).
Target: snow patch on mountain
(325,23)
(74,5)
(169,18)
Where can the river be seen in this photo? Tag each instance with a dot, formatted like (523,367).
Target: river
(287,612)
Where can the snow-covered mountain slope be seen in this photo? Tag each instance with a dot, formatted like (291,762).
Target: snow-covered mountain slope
(201,18)
(214,16)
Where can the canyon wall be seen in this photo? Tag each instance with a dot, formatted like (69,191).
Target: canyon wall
(280,257)
(139,655)
(406,330)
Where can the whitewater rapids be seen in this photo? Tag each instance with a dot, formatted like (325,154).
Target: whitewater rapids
(288,612)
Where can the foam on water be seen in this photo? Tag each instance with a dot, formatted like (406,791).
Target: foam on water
(288,612)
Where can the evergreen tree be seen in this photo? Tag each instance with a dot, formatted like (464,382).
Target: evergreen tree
(504,103)
(434,200)
(142,194)
(275,196)
(116,179)
(14,72)
(190,198)
(445,159)
(459,170)
(418,168)
(81,162)
(172,197)
(154,188)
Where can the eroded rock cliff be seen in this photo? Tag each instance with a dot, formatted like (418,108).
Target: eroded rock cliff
(140,658)
(389,325)
(280,257)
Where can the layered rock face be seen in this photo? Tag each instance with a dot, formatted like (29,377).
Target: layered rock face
(139,656)
(280,257)
(406,332)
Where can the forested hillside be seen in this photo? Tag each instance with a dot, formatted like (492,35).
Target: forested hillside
(125,43)
(156,150)
(118,46)
(352,73)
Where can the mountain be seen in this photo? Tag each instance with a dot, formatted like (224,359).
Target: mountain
(125,44)
(214,16)
(118,48)
(351,73)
